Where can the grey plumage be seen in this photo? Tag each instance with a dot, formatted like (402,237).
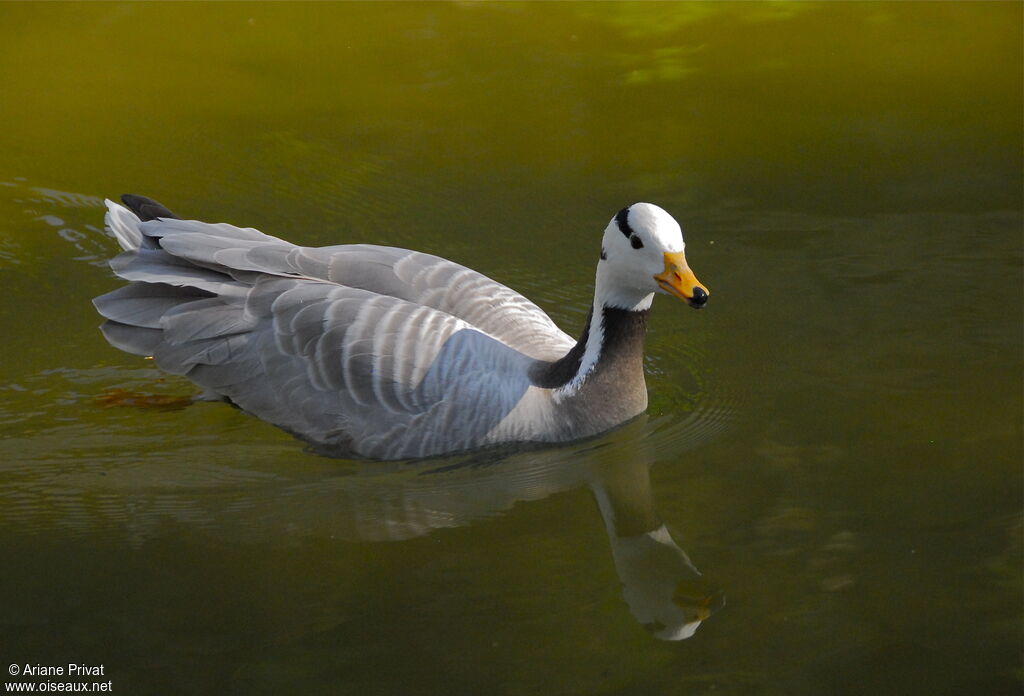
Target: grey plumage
(388,364)
(377,351)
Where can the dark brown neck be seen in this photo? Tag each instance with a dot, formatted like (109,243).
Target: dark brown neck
(621,351)
(624,333)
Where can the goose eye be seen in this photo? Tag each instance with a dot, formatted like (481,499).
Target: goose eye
(635,242)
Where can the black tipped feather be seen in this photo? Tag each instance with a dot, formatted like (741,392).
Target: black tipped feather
(146,208)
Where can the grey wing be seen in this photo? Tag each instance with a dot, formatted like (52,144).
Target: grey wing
(410,380)
(442,284)
(344,368)
(422,279)
(391,352)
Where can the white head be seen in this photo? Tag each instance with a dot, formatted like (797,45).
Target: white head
(641,254)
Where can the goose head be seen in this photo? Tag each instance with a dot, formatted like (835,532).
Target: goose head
(642,253)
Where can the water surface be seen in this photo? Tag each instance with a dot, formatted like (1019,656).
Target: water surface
(830,469)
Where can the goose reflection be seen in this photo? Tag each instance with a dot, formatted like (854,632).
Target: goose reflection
(662,588)
(381,502)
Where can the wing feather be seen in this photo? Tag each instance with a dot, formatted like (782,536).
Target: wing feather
(388,352)
(143,304)
(408,275)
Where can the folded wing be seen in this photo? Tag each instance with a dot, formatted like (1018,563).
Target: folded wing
(385,352)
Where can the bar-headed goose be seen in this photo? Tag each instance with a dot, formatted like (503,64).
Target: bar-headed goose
(384,352)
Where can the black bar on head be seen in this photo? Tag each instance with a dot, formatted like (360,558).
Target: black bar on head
(622,220)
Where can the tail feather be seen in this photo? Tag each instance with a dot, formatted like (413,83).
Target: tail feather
(146,208)
(125,222)
(145,316)
(132,339)
(125,226)
(144,304)
(157,266)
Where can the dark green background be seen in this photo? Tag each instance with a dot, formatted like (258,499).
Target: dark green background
(836,440)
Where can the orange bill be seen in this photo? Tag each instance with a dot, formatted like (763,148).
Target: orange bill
(677,279)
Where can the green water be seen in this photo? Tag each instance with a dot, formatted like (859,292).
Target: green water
(835,442)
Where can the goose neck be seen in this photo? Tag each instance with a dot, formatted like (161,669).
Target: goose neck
(611,341)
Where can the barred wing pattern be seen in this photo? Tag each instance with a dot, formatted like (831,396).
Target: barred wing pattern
(385,352)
